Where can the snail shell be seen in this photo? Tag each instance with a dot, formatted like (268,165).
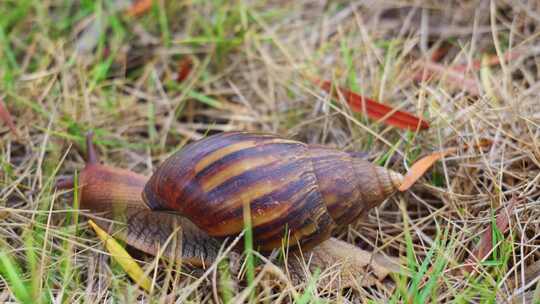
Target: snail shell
(293,189)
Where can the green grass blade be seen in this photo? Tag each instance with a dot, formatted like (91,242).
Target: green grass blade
(248,248)
(205,99)
(225,281)
(307,296)
(11,272)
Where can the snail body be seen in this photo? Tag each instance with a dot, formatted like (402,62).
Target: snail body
(293,190)
(115,194)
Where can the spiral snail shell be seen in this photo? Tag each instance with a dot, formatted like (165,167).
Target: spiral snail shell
(293,189)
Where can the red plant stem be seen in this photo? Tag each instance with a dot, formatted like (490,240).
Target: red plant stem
(184,69)
(492,60)
(376,110)
(458,73)
(456,77)
(8,120)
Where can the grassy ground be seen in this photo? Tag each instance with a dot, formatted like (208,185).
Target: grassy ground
(72,66)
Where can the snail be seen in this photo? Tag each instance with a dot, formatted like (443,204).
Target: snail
(118,193)
(294,190)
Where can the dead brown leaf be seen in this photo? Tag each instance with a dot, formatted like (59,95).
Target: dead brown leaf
(346,265)
(420,167)
(139,7)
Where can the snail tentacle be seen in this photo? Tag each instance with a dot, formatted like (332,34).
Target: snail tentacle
(64,183)
(91,156)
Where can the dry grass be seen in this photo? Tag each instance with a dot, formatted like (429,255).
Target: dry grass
(60,78)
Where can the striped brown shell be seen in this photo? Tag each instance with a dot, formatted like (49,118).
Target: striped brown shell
(293,189)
